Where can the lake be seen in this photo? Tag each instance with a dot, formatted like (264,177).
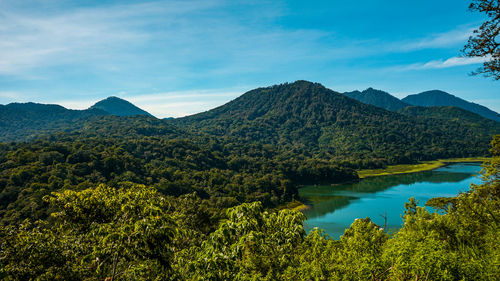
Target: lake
(334,207)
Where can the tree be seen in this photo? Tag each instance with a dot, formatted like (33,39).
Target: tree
(99,233)
(485,41)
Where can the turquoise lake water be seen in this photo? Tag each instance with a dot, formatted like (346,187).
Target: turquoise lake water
(335,207)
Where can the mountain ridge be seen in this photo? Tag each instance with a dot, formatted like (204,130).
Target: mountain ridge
(26,121)
(309,117)
(377,98)
(441,98)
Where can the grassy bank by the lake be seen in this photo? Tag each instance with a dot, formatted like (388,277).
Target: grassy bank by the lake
(413,168)
(294,205)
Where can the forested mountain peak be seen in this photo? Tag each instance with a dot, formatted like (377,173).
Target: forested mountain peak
(440,98)
(35,107)
(377,98)
(120,107)
(25,121)
(301,99)
(307,117)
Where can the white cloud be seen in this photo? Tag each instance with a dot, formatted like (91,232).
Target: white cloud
(168,104)
(182,40)
(99,35)
(75,104)
(452,62)
(11,95)
(437,64)
(439,40)
(182,103)
(15,96)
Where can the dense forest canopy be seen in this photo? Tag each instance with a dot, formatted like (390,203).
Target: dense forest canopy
(133,232)
(144,150)
(310,119)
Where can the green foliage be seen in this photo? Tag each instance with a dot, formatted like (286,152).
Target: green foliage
(304,118)
(136,233)
(250,244)
(26,121)
(484,41)
(148,151)
(97,233)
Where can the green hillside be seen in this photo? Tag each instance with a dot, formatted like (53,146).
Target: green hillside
(440,98)
(25,121)
(450,113)
(120,151)
(308,118)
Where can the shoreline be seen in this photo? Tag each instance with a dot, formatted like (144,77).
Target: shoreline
(414,168)
(395,170)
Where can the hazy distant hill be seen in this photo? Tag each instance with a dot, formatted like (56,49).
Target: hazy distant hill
(440,98)
(377,98)
(119,107)
(308,117)
(24,121)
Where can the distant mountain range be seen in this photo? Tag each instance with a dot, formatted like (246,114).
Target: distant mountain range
(378,98)
(440,98)
(427,99)
(300,118)
(25,121)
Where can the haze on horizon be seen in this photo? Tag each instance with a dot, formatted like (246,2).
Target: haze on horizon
(175,58)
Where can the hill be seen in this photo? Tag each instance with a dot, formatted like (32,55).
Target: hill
(25,121)
(451,113)
(377,98)
(119,107)
(440,98)
(319,122)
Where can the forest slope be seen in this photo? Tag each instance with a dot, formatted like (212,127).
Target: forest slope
(317,121)
(440,98)
(25,121)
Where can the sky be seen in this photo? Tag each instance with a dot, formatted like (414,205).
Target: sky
(176,58)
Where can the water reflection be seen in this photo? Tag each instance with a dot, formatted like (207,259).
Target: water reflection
(335,207)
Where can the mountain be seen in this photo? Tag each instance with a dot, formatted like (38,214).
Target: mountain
(440,98)
(25,121)
(119,107)
(377,98)
(308,118)
(451,113)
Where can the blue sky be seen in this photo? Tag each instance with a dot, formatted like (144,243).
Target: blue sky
(175,58)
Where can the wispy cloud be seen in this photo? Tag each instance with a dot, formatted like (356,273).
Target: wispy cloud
(10,95)
(178,104)
(167,104)
(442,63)
(189,39)
(92,36)
(439,40)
